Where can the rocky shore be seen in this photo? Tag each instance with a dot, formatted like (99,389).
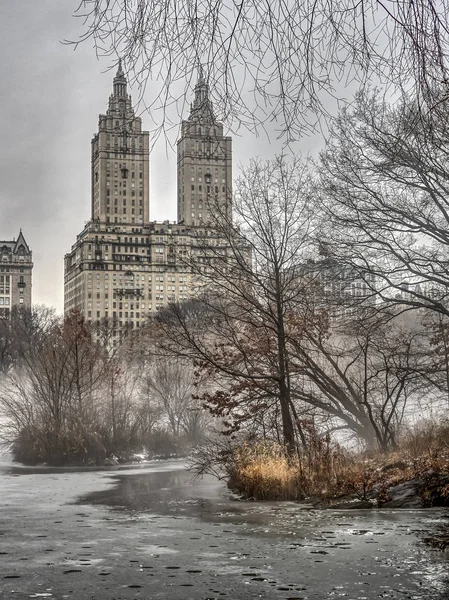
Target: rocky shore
(427,492)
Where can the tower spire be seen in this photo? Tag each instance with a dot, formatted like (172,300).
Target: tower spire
(120,70)
(201,108)
(200,75)
(120,81)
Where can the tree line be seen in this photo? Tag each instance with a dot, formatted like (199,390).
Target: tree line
(68,395)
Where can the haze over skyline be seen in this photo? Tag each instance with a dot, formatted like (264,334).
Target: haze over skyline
(52,97)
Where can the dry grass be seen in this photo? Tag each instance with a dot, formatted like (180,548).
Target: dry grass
(263,471)
(426,438)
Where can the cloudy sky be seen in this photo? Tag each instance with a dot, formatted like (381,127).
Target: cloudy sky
(51,98)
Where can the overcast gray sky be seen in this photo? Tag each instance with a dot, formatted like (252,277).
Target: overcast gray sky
(51,99)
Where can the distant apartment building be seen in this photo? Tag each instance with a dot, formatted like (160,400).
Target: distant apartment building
(342,288)
(123,267)
(343,281)
(16,268)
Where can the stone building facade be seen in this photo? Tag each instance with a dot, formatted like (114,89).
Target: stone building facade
(124,267)
(16,267)
(204,163)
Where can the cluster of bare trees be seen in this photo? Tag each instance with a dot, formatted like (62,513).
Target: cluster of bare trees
(325,314)
(67,395)
(280,348)
(328,310)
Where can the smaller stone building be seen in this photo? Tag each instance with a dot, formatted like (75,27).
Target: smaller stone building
(16,268)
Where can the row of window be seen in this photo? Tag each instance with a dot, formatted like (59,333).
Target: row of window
(7,269)
(124,211)
(208,188)
(117,193)
(134,279)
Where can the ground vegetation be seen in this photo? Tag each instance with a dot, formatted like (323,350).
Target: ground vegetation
(415,474)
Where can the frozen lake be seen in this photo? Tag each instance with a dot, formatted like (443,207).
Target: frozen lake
(155,532)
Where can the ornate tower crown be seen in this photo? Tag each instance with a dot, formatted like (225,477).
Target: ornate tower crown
(120,101)
(201,108)
(120,82)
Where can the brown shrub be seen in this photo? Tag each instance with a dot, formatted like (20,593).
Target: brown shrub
(264,471)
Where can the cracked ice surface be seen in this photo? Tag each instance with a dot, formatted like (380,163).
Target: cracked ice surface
(154,532)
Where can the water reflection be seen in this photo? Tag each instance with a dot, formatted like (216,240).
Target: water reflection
(165,492)
(179,492)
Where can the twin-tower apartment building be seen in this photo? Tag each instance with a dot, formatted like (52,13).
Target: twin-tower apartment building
(124,267)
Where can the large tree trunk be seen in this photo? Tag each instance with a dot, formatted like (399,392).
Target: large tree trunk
(288,430)
(284,387)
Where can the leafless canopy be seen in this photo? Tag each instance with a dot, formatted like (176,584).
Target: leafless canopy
(271,61)
(384,188)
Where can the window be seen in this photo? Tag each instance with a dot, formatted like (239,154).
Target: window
(5,284)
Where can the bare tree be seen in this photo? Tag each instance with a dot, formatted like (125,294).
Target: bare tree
(363,371)
(21,333)
(8,348)
(437,326)
(270,62)
(384,191)
(171,383)
(237,326)
(281,349)
(123,423)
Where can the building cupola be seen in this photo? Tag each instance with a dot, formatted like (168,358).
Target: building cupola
(120,82)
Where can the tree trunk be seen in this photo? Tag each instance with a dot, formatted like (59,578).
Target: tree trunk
(288,430)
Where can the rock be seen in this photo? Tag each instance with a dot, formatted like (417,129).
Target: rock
(404,495)
(400,464)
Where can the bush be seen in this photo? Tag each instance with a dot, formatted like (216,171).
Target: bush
(27,449)
(263,471)
(77,446)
